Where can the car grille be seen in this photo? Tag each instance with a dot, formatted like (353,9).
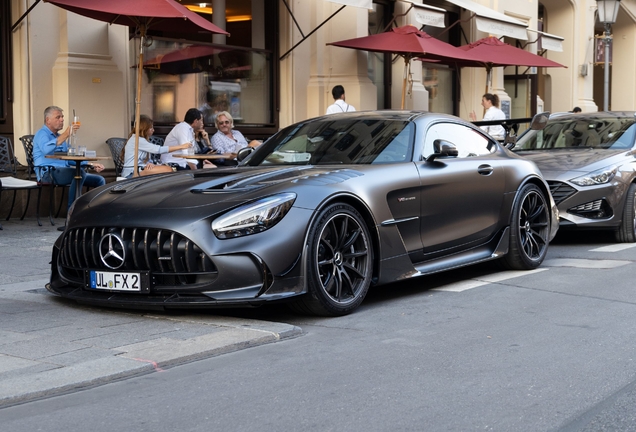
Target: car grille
(172,259)
(560,191)
(598,209)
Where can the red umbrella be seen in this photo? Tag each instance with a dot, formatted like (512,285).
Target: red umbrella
(144,15)
(408,42)
(491,52)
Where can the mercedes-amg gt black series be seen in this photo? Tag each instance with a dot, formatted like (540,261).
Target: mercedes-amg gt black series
(589,161)
(314,216)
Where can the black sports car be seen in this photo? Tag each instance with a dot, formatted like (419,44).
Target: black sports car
(589,161)
(315,215)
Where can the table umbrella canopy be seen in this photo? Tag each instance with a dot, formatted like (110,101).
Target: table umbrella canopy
(155,14)
(408,42)
(143,15)
(492,52)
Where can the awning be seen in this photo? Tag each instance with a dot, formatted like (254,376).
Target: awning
(366,4)
(428,15)
(492,22)
(549,41)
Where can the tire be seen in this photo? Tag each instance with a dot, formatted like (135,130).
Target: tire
(627,231)
(529,230)
(339,263)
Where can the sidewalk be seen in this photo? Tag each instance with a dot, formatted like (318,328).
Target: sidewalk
(50,346)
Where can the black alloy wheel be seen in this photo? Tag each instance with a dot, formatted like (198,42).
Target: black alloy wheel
(529,230)
(627,231)
(339,262)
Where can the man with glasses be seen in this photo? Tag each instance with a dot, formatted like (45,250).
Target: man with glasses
(181,134)
(227,139)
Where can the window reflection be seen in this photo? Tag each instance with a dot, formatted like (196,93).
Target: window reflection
(213,78)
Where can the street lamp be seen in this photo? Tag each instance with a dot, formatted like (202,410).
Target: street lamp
(607,11)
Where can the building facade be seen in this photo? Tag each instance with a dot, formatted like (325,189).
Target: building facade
(276,68)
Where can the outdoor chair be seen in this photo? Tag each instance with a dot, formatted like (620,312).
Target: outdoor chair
(116,145)
(157,140)
(8,165)
(27,142)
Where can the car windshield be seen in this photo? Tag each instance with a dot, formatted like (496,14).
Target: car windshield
(350,141)
(601,133)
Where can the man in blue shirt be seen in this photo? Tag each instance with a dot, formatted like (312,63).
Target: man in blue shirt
(49,140)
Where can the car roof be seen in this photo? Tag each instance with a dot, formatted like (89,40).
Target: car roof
(593,115)
(405,115)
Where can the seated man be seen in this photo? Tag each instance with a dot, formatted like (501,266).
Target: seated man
(228,140)
(183,133)
(47,141)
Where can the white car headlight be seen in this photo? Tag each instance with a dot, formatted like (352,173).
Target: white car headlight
(253,217)
(598,177)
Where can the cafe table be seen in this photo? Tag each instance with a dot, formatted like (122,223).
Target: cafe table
(78,167)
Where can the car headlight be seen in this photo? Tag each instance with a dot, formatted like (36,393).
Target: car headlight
(253,217)
(598,177)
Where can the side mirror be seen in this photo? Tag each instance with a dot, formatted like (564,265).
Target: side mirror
(442,148)
(540,120)
(244,153)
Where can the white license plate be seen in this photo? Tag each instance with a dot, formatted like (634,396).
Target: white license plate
(115,281)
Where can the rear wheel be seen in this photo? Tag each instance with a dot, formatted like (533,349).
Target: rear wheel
(339,262)
(529,230)
(627,231)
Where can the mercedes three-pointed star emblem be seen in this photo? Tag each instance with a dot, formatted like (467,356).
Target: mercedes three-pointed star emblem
(112,251)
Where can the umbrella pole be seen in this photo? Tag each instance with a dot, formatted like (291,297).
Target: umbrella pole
(138,98)
(488,79)
(406,67)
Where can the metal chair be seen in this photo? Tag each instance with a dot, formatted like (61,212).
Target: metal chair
(157,140)
(27,142)
(8,165)
(116,145)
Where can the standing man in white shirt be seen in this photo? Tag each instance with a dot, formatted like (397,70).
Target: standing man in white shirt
(181,134)
(339,104)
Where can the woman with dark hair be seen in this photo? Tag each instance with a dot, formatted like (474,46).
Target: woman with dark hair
(146,149)
(490,102)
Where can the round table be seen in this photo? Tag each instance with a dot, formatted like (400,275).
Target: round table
(78,167)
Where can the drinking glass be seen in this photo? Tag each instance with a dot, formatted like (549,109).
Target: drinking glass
(76,122)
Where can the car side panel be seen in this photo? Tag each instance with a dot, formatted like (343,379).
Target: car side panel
(461,201)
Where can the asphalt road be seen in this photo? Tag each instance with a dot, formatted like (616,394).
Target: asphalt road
(474,349)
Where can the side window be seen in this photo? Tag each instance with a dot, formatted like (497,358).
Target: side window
(469,142)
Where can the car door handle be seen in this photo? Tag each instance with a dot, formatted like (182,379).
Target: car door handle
(485,169)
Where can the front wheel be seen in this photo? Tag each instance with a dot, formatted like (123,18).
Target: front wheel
(339,262)
(627,231)
(529,230)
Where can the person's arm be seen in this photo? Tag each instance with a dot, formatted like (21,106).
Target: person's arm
(61,138)
(97,167)
(157,149)
(45,143)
